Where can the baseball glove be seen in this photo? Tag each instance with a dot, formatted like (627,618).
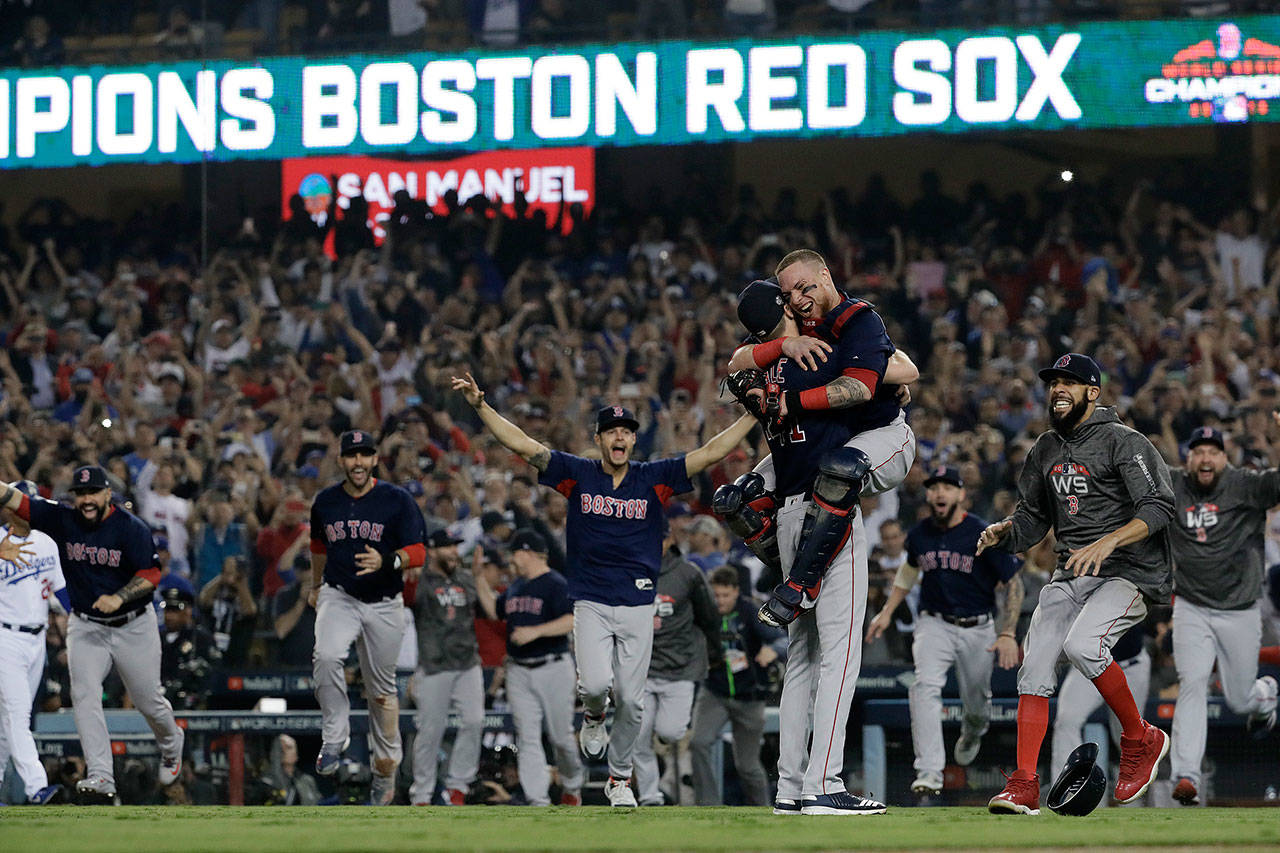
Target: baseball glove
(758,395)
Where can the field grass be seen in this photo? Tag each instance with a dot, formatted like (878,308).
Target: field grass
(332,830)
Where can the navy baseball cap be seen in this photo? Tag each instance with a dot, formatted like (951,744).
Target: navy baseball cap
(1075,366)
(82,375)
(760,307)
(945,474)
(441,538)
(89,478)
(357,439)
(160,541)
(612,416)
(1206,435)
(177,598)
(528,539)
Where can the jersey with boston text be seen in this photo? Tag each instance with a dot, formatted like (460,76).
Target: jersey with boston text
(952,580)
(384,518)
(535,601)
(97,559)
(613,537)
(860,348)
(25,590)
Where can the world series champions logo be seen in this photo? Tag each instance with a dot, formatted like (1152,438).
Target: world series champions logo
(1228,78)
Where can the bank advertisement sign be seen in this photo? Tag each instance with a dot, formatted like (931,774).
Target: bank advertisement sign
(1092,75)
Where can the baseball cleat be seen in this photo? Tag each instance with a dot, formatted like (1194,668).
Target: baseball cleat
(786,806)
(1140,762)
(48,795)
(382,790)
(967,747)
(171,765)
(1185,792)
(618,792)
(842,803)
(453,797)
(1264,720)
(1021,795)
(571,798)
(927,785)
(97,789)
(593,737)
(330,757)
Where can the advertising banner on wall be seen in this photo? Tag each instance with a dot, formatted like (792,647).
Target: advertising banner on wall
(1091,75)
(547,177)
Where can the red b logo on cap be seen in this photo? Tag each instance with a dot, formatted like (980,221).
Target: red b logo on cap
(356,437)
(940,472)
(617,411)
(1062,362)
(84,476)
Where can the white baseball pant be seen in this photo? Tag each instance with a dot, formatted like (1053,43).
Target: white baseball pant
(21,665)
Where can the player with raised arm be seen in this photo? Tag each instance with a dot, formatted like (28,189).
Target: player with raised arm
(1105,492)
(365,535)
(614,550)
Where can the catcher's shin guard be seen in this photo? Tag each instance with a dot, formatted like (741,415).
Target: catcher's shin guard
(748,508)
(841,475)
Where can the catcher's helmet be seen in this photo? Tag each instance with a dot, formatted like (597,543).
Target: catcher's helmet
(1081,784)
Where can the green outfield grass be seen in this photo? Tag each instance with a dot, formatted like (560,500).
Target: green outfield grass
(330,830)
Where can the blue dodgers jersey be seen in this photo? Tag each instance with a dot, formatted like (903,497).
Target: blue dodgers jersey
(860,343)
(613,537)
(535,601)
(952,580)
(385,518)
(97,559)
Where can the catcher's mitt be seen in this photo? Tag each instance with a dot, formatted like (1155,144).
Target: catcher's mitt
(758,395)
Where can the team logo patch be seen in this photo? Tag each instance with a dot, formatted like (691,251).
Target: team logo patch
(357,437)
(1062,362)
(617,411)
(84,476)
(940,471)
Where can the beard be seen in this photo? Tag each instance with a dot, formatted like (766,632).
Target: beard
(1065,423)
(943,518)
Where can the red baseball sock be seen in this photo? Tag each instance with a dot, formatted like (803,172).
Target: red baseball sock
(1115,690)
(1269,654)
(1033,722)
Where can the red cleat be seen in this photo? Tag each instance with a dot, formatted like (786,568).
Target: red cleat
(570,798)
(1020,796)
(1185,792)
(454,797)
(1139,762)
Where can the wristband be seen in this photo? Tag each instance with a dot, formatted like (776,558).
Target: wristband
(812,400)
(767,353)
(391,561)
(1009,634)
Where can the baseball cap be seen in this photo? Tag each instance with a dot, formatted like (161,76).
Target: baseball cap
(357,439)
(611,416)
(82,374)
(1206,435)
(760,306)
(89,478)
(1075,366)
(528,539)
(219,325)
(176,598)
(945,474)
(161,542)
(490,519)
(441,538)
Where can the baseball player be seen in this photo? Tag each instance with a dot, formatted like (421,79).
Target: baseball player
(849,437)
(958,592)
(111,568)
(686,635)
(614,539)
(540,675)
(1105,492)
(27,589)
(365,534)
(1217,539)
(448,679)
(1077,698)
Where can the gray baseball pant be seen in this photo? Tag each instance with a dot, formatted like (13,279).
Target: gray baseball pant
(1201,635)
(1078,699)
(939,645)
(891,449)
(542,699)
(667,709)
(710,714)
(613,645)
(1081,618)
(134,650)
(435,696)
(376,629)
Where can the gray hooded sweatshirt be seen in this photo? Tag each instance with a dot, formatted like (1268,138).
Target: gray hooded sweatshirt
(1091,484)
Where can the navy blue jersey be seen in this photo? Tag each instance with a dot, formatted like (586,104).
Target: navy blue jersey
(385,518)
(613,537)
(535,601)
(861,348)
(952,580)
(98,559)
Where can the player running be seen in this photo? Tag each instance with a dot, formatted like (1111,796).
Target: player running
(365,534)
(614,549)
(958,592)
(111,568)
(31,585)
(1105,492)
(1217,543)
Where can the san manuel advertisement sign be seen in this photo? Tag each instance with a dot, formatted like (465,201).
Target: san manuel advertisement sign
(1093,75)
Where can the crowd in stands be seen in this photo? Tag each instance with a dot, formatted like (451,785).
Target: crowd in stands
(37,33)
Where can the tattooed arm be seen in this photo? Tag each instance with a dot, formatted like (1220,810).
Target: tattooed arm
(136,588)
(515,439)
